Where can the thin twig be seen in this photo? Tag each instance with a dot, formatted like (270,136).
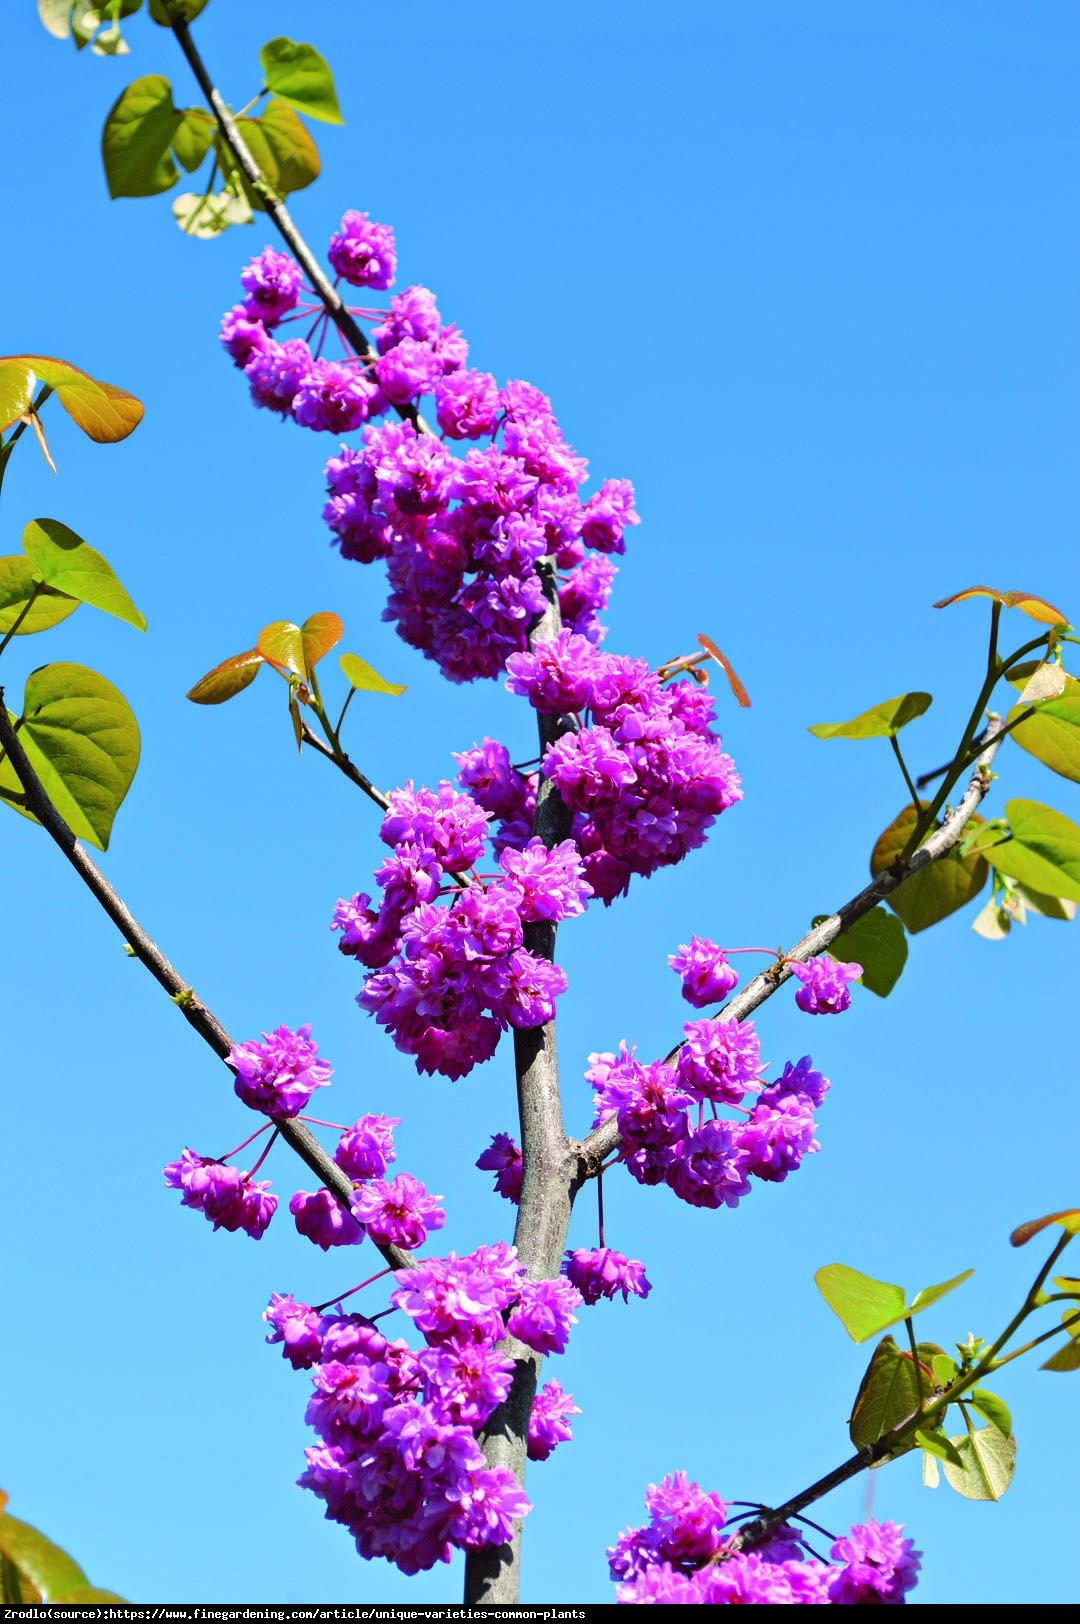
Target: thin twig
(342,762)
(146,950)
(276,211)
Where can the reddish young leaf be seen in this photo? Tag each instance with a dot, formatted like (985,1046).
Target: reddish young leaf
(1069,1220)
(728,669)
(228,679)
(318,635)
(1037,608)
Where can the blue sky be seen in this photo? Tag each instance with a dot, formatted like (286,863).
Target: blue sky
(808,277)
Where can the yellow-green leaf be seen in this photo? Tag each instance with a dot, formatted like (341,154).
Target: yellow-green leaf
(933,1294)
(364,677)
(193,136)
(17,584)
(138,135)
(1052,735)
(71,565)
(1044,851)
(863,1305)
(297,74)
(282,644)
(282,148)
(1068,1219)
(43,1565)
(82,741)
(16,389)
(988,1460)
(882,721)
(228,679)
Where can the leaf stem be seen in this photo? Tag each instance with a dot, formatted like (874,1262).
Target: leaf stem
(21,616)
(20,428)
(912,791)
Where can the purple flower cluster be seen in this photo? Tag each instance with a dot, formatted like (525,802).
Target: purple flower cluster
(415,351)
(462,535)
(682,1557)
(706,973)
(549,1420)
(600,1272)
(229,1198)
(710,1164)
(446,981)
(279,1075)
(503,1158)
(824,989)
(398,1212)
(644,774)
(398,1461)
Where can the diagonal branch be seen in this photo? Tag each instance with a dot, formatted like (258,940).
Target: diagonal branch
(603,1140)
(146,950)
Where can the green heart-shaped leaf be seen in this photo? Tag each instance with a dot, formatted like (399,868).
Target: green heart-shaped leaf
(138,135)
(1044,851)
(988,1460)
(194,133)
(882,721)
(82,741)
(71,565)
(863,1305)
(282,148)
(889,1391)
(17,588)
(298,75)
(1052,735)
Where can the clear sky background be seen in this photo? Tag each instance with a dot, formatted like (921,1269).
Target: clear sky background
(808,276)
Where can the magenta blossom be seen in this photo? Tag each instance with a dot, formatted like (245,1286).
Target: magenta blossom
(279,1075)
(604,1273)
(400,1213)
(707,975)
(824,989)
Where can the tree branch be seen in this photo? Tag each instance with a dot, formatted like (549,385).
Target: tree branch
(204,1021)
(543,1221)
(342,762)
(332,301)
(603,1140)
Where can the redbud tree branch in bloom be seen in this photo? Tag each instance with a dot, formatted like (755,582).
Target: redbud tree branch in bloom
(552,1167)
(605,1139)
(205,1023)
